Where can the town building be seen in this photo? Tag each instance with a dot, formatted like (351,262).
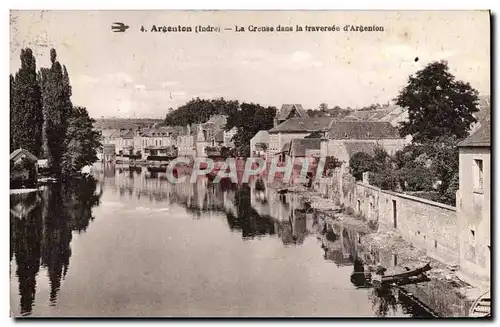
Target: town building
(259,144)
(473,206)
(210,134)
(295,128)
(186,141)
(303,148)
(345,138)
(157,141)
(23,169)
(228,137)
(391,113)
(288,111)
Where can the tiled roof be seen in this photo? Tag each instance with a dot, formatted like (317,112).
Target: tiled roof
(368,114)
(261,136)
(127,134)
(484,113)
(481,137)
(16,153)
(304,125)
(362,130)
(162,131)
(286,109)
(299,146)
(355,147)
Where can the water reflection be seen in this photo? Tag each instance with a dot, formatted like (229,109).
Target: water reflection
(42,225)
(246,219)
(41,231)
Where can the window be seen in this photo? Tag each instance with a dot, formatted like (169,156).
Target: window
(478,172)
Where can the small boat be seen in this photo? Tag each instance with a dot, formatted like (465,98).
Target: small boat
(400,277)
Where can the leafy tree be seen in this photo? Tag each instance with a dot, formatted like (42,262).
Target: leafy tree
(200,110)
(26,116)
(437,104)
(359,163)
(323,107)
(81,142)
(383,173)
(430,167)
(56,93)
(445,164)
(249,119)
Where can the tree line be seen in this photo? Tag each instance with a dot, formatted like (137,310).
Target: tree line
(248,118)
(440,114)
(44,121)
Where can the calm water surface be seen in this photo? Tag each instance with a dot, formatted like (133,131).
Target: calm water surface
(130,243)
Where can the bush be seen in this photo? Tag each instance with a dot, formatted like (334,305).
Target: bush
(359,163)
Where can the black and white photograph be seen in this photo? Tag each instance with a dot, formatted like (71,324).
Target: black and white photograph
(250,164)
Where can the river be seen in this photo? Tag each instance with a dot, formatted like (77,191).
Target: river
(129,243)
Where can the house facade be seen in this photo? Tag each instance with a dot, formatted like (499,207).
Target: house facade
(294,128)
(23,169)
(473,206)
(186,141)
(304,148)
(210,134)
(228,137)
(259,144)
(344,138)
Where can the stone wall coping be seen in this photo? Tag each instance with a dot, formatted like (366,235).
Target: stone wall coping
(410,197)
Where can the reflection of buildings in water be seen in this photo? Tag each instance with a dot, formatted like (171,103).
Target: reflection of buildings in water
(293,231)
(43,237)
(334,245)
(109,170)
(279,206)
(293,222)
(22,204)
(247,219)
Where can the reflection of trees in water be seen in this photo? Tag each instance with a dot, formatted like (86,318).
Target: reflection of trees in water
(358,276)
(293,231)
(247,220)
(384,299)
(26,237)
(44,236)
(412,308)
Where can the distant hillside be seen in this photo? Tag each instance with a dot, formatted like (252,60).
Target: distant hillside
(125,123)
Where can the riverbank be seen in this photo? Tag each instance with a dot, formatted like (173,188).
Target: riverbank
(445,293)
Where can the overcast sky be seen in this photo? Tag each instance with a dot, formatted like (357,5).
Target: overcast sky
(136,74)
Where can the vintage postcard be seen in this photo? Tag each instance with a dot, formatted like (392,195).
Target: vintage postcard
(250,163)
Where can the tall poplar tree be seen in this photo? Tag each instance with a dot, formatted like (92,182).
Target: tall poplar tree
(56,93)
(26,118)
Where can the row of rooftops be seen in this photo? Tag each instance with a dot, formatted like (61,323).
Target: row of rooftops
(215,123)
(369,124)
(339,129)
